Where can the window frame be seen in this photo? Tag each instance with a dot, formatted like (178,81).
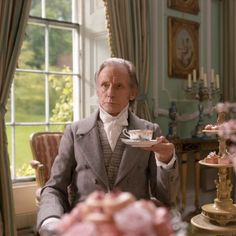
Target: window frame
(77,106)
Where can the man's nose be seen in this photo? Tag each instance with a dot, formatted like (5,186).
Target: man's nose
(110,91)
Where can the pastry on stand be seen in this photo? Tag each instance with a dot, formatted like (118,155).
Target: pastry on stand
(220,216)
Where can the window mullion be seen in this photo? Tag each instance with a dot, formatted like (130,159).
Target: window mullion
(46,75)
(13,132)
(76,80)
(43,9)
(76,63)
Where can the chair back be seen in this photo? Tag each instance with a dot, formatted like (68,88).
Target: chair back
(44,147)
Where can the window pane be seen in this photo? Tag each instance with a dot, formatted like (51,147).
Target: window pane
(60,49)
(57,128)
(32,54)
(59,10)
(36,8)
(23,151)
(9,145)
(29,97)
(61,104)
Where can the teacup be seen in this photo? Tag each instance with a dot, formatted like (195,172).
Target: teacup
(138,134)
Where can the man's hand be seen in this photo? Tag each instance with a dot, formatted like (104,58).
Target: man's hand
(163,148)
(49,227)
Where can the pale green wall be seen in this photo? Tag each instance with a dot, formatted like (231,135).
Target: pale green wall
(172,89)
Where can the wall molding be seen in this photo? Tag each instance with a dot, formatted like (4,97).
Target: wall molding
(160,9)
(185,116)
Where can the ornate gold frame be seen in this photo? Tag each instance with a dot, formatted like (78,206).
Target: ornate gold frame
(190,6)
(183,47)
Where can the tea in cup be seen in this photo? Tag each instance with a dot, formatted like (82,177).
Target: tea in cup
(138,134)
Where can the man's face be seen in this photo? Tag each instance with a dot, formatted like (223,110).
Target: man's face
(113,89)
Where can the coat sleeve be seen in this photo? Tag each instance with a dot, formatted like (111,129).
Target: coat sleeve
(54,195)
(164,183)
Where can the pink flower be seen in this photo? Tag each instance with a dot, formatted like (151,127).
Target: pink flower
(227,130)
(141,222)
(82,228)
(222,107)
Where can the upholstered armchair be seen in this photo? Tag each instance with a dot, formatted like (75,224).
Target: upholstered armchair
(44,147)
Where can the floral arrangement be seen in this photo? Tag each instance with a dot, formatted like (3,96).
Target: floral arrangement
(227,129)
(120,214)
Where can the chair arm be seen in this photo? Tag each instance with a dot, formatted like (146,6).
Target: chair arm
(39,172)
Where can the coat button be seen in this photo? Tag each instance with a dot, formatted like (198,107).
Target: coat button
(95,181)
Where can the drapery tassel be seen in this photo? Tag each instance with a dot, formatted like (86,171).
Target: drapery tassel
(108,25)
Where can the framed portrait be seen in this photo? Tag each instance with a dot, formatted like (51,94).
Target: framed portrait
(183,47)
(189,6)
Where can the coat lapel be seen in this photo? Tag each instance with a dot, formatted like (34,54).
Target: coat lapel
(131,154)
(128,161)
(88,140)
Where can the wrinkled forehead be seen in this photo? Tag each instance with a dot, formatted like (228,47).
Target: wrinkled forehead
(115,74)
(115,68)
(122,66)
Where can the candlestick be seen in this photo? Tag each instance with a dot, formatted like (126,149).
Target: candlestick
(189,81)
(200,91)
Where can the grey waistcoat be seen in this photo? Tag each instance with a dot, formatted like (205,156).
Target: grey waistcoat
(112,159)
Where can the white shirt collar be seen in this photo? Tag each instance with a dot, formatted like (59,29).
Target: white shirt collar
(113,125)
(106,117)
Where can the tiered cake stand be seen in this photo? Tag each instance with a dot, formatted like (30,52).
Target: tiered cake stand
(220,216)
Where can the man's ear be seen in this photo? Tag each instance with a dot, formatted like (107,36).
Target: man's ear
(131,98)
(133,94)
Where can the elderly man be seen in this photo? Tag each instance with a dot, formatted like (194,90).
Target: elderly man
(93,157)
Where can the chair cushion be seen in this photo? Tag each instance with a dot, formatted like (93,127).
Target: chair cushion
(46,149)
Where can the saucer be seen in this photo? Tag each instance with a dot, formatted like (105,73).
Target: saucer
(139,143)
(210,131)
(215,165)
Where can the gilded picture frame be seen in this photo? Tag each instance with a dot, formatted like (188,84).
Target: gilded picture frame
(183,47)
(189,6)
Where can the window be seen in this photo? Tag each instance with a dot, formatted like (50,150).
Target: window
(46,83)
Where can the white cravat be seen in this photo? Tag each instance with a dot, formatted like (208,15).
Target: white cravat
(113,125)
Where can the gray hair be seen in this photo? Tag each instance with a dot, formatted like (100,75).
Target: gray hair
(120,61)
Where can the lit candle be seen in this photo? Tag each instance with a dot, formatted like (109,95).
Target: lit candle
(194,76)
(189,81)
(205,80)
(217,81)
(201,72)
(212,76)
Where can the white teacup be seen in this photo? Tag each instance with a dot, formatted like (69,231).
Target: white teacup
(138,134)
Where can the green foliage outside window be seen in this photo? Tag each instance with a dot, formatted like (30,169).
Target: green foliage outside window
(63,109)
(29,89)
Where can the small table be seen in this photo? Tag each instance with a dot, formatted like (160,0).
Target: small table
(187,148)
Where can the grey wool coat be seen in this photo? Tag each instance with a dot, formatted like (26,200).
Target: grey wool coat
(80,164)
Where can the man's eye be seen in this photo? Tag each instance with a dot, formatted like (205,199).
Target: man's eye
(105,85)
(119,86)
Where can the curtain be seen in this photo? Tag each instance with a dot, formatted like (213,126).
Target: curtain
(229,51)
(13,19)
(127,23)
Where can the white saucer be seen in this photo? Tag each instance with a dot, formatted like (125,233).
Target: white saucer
(202,162)
(210,131)
(139,143)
